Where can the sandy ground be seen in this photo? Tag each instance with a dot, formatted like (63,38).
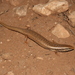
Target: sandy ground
(20,58)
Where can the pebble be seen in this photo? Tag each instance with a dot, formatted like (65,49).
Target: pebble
(1,42)
(6,56)
(40,58)
(60,31)
(10,73)
(3,67)
(40,9)
(72,18)
(15,2)
(57,6)
(53,6)
(8,40)
(21,10)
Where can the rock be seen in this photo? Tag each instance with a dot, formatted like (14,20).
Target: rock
(21,11)
(40,9)
(57,6)
(40,58)
(60,31)
(15,2)
(6,56)
(53,6)
(10,73)
(72,18)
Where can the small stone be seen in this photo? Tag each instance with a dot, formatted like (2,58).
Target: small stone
(22,10)
(6,56)
(40,58)
(40,9)
(10,73)
(60,31)
(3,66)
(8,40)
(15,2)
(24,66)
(1,42)
(72,18)
(57,6)
(53,6)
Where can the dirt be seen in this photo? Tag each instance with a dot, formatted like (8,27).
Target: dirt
(23,58)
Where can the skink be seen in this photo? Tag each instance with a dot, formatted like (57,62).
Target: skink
(40,40)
